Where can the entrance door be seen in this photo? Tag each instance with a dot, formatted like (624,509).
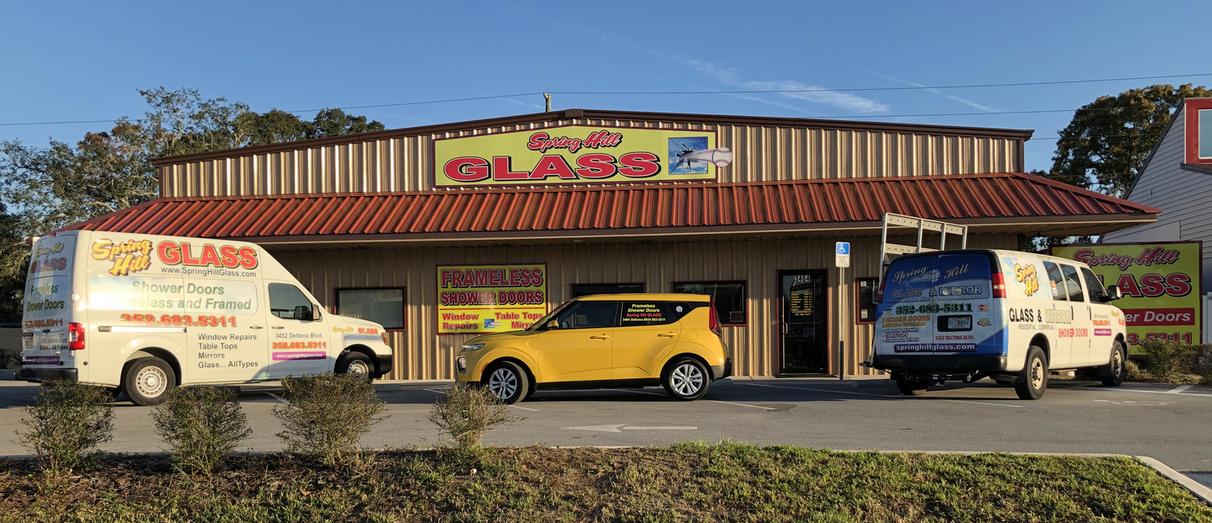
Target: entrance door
(803,322)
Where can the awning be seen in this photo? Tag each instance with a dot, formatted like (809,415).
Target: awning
(1002,202)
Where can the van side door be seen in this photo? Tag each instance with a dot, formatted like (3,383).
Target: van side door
(1060,321)
(1079,333)
(298,339)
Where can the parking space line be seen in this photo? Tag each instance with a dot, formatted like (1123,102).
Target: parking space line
(743,405)
(276,397)
(636,392)
(435,391)
(1171,391)
(1180,389)
(854,393)
(442,392)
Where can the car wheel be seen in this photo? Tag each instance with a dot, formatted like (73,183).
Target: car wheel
(686,379)
(357,364)
(1033,380)
(1116,370)
(911,384)
(507,381)
(147,381)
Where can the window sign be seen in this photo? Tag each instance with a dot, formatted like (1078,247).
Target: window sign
(490,298)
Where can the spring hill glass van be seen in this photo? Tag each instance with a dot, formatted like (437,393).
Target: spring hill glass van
(1012,316)
(143,314)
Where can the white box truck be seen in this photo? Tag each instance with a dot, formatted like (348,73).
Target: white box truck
(1012,316)
(143,314)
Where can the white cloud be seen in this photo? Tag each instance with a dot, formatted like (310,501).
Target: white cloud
(953,97)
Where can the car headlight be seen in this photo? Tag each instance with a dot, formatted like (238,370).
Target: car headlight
(471,347)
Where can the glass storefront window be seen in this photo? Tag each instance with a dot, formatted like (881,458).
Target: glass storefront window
(382,306)
(729,298)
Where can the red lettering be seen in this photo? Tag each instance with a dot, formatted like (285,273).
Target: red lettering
(466,169)
(209,256)
(248,257)
(169,253)
(231,256)
(552,165)
(186,257)
(639,165)
(537,141)
(1152,285)
(502,170)
(1127,285)
(1178,284)
(596,166)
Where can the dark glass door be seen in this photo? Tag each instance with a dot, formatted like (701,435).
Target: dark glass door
(803,327)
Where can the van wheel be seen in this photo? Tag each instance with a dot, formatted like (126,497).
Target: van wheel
(147,381)
(507,381)
(686,379)
(357,364)
(1033,380)
(1114,373)
(911,384)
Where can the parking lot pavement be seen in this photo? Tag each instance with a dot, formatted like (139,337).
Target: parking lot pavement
(1165,422)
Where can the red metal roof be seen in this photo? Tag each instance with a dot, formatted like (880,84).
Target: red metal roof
(618,208)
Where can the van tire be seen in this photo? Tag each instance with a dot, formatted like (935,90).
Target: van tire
(911,385)
(147,381)
(1033,380)
(507,381)
(1116,370)
(356,363)
(686,379)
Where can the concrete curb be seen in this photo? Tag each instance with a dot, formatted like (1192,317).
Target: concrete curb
(1191,485)
(852,382)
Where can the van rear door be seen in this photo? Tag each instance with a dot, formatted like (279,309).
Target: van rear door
(47,304)
(903,321)
(964,313)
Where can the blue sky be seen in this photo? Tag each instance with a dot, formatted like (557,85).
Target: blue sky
(84,61)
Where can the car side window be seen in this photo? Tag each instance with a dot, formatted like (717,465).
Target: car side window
(1073,282)
(640,313)
(589,315)
(1056,281)
(284,300)
(1094,286)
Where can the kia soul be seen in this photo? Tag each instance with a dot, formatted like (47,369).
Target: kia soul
(142,314)
(1011,316)
(615,340)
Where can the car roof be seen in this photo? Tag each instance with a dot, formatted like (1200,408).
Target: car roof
(647,296)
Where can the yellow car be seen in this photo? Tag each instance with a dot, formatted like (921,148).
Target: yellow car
(615,340)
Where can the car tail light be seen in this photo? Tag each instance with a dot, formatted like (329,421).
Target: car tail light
(713,319)
(999,285)
(75,336)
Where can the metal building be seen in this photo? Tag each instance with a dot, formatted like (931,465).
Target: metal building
(744,208)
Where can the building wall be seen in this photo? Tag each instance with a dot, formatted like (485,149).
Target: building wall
(763,153)
(1181,194)
(422,354)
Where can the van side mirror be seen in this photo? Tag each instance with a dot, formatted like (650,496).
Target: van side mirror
(304,313)
(1113,293)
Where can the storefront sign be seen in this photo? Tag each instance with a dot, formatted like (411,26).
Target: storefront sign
(490,298)
(1160,283)
(578,154)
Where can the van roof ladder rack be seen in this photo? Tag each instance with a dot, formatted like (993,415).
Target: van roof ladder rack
(889,251)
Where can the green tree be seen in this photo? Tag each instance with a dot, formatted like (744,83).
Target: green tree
(45,188)
(1105,144)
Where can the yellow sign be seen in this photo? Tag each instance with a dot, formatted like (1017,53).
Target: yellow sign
(490,298)
(578,154)
(1160,283)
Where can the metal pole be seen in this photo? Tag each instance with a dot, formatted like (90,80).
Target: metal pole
(841,338)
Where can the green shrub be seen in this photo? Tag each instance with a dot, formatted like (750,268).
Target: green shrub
(10,359)
(325,416)
(203,425)
(1169,362)
(65,424)
(466,414)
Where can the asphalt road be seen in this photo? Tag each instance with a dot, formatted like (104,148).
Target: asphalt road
(1171,424)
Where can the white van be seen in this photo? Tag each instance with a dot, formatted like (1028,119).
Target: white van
(144,314)
(1013,316)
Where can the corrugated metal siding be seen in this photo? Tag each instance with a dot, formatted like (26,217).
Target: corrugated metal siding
(422,354)
(1182,196)
(763,153)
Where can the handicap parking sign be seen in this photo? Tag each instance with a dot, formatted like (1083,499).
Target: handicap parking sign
(841,254)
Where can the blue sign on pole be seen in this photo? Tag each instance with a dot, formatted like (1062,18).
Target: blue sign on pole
(842,247)
(841,254)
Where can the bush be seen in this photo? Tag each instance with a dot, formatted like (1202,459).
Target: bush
(203,425)
(65,424)
(10,359)
(325,416)
(466,414)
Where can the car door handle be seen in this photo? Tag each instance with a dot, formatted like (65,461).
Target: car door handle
(666,334)
(599,337)
(277,327)
(256,327)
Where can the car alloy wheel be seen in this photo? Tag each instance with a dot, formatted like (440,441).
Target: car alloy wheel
(503,383)
(686,379)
